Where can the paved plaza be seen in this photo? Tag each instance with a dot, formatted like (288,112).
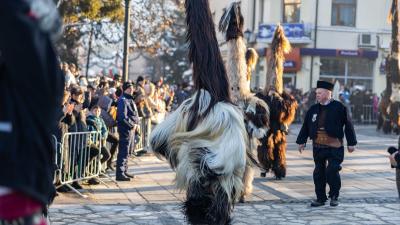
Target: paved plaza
(368,194)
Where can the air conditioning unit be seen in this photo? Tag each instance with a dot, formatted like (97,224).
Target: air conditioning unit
(367,40)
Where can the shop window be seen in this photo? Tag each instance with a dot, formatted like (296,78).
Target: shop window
(360,67)
(333,66)
(349,71)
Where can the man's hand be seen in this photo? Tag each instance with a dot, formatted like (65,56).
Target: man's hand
(351,149)
(301,148)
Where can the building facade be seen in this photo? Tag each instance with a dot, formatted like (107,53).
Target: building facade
(344,40)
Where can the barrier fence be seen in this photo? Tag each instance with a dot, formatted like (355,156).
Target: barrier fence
(79,154)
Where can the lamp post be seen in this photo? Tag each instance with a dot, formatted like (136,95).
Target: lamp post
(126,41)
(98,29)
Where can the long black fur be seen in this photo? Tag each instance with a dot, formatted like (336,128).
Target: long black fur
(208,68)
(233,28)
(205,203)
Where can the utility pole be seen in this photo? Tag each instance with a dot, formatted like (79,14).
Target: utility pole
(126,41)
(89,51)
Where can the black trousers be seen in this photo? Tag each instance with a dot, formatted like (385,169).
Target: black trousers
(327,166)
(111,138)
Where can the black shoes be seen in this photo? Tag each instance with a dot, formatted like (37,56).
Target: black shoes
(93,181)
(63,189)
(334,202)
(76,185)
(263,174)
(317,203)
(129,175)
(122,178)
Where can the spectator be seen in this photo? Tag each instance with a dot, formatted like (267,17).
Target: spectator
(65,121)
(96,123)
(105,104)
(181,95)
(127,122)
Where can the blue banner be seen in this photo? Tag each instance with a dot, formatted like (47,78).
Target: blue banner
(293,31)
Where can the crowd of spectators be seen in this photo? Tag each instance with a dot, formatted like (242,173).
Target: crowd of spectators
(93,106)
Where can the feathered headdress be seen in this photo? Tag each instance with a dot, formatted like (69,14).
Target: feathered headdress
(280,45)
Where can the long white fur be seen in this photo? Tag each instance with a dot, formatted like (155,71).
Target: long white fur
(222,132)
(237,69)
(241,94)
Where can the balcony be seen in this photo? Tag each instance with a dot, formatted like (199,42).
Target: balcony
(297,33)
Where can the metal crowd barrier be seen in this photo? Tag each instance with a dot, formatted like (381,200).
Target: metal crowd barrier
(79,158)
(140,138)
(364,114)
(78,155)
(57,157)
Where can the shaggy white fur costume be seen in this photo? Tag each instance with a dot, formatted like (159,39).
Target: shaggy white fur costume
(213,149)
(255,109)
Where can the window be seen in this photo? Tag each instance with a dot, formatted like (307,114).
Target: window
(360,67)
(291,11)
(333,66)
(344,13)
(349,71)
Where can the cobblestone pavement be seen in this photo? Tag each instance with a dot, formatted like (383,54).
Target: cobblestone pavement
(368,194)
(254,213)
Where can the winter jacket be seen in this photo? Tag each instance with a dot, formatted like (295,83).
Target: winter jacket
(97,124)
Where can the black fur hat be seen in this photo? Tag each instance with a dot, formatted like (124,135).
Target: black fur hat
(325,85)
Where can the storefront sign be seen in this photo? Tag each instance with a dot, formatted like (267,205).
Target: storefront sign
(295,32)
(289,64)
(351,53)
(339,53)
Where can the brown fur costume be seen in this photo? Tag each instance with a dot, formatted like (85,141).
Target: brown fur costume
(272,152)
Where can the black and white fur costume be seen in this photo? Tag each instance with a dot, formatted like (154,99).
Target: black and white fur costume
(256,110)
(205,139)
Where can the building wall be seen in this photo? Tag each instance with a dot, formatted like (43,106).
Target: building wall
(371,17)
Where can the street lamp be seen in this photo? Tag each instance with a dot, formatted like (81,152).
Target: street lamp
(247,35)
(98,29)
(126,41)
